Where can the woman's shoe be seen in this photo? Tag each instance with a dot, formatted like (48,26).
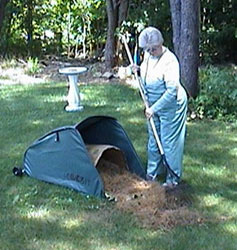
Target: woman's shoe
(149,178)
(170,185)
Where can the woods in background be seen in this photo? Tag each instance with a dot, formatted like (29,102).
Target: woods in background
(199,31)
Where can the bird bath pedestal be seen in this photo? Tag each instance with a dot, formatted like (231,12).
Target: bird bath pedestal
(73,97)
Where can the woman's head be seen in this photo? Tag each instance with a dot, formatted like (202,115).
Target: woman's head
(151,40)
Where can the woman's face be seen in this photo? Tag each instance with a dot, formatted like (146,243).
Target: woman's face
(154,50)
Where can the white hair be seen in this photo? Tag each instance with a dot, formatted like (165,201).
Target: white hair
(150,36)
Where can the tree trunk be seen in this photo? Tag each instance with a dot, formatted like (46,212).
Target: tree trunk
(189,49)
(116,12)
(185,21)
(29,26)
(112,15)
(123,11)
(175,8)
(3,4)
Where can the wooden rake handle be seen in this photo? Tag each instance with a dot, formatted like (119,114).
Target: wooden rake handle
(140,84)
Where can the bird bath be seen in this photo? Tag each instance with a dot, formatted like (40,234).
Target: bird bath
(73,98)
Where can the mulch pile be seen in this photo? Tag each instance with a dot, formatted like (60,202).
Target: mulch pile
(148,201)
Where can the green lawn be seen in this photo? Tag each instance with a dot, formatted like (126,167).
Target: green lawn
(37,215)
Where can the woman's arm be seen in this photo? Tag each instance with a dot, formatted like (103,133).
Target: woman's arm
(171,80)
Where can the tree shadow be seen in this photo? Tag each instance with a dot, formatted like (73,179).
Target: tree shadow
(210,159)
(31,111)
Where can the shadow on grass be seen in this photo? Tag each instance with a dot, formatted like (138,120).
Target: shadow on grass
(211,164)
(29,112)
(106,230)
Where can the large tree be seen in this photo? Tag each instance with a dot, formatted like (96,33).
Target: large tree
(3,4)
(116,13)
(185,22)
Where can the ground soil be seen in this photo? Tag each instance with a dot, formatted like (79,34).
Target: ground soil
(152,205)
(49,71)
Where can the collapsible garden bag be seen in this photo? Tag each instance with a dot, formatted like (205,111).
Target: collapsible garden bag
(68,155)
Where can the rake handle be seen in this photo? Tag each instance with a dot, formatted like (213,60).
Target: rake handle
(151,120)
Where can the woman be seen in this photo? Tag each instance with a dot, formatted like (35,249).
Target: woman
(167,100)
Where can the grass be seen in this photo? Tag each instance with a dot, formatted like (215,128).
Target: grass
(38,215)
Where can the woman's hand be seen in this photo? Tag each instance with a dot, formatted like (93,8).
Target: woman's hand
(149,112)
(135,68)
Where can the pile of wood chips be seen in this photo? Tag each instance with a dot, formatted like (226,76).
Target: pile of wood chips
(148,201)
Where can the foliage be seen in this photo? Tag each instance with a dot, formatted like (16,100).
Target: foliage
(54,26)
(9,63)
(78,28)
(148,13)
(218,93)
(33,66)
(218,31)
(38,215)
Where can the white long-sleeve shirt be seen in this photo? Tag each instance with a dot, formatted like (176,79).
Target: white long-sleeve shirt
(161,79)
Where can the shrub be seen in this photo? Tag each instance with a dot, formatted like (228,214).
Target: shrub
(33,66)
(218,93)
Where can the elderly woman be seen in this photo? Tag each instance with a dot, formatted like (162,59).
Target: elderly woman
(160,74)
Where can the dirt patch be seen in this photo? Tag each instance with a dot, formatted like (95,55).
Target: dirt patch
(148,201)
(49,71)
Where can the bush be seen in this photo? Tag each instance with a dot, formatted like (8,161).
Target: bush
(33,66)
(218,93)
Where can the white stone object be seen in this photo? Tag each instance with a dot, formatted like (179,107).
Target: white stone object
(73,98)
